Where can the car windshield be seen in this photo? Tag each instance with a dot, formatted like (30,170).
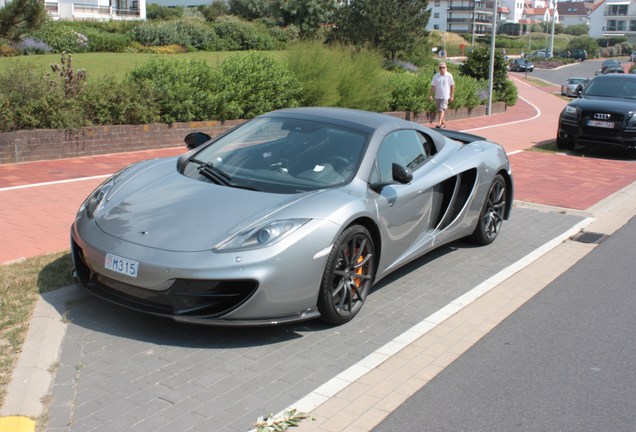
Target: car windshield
(576,81)
(281,155)
(614,88)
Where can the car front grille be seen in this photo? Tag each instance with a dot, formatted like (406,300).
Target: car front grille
(192,298)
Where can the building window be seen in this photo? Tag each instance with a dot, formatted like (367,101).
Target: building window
(436,15)
(614,10)
(437,3)
(435,26)
(620,25)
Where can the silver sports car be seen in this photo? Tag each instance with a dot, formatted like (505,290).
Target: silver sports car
(291,216)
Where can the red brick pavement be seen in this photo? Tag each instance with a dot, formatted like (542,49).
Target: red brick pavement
(36,219)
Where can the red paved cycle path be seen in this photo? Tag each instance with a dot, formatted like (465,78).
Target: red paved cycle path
(38,200)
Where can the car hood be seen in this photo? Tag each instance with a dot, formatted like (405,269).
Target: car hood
(160,208)
(596,103)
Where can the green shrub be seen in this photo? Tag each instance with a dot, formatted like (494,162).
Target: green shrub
(61,38)
(317,68)
(30,101)
(362,82)
(108,101)
(238,35)
(182,89)
(189,32)
(251,84)
(408,92)
(469,93)
(508,93)
(101,41)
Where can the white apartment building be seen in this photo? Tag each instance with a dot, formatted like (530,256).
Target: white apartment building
(94,9)
(613,18)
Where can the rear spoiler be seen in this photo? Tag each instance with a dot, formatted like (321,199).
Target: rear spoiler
(462,137)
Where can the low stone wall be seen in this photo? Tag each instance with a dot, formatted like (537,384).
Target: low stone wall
(46,144)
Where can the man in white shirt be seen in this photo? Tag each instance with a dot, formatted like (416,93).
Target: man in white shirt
(443,92)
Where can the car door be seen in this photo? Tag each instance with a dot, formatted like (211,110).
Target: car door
(404,209)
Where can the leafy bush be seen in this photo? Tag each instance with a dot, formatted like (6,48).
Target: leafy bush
(252,84)
(362,83)
(188,32)
(182,89)
(237,35)
(469,92)
(408,92)
(340,76)
(508,93)
(108,101)
(27,101)
(317,68)
(477,65)
(101,41)
(61,38)
(158,12)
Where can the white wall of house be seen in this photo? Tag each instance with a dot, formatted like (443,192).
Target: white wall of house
(614,17)
(94,9)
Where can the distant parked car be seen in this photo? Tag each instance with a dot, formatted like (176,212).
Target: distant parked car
(602,115)
(521,65)
(614,69)
(576,53)
(537,54)
(609,63)
(573,86)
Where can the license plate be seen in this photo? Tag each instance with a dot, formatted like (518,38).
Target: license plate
(601,124)
(121,265)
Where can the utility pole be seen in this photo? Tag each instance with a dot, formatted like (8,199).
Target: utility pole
(491,74)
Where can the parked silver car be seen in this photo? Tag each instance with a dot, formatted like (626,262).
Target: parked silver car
(573,86)
(291,216)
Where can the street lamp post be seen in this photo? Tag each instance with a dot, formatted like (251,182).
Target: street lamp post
(555,15)
(491,74)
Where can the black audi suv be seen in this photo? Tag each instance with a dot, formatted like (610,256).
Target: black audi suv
(604,115)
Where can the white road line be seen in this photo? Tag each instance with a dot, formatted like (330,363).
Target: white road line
(27,186)
(379,356)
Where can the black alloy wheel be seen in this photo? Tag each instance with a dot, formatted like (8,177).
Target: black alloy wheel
(492,213)
(348,276)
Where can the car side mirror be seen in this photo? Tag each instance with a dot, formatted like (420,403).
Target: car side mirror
(401,174)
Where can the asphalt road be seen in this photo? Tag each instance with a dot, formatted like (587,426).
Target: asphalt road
(585,69)
(565,361)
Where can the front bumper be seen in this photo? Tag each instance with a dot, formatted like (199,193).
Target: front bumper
(579,133)
(272,286)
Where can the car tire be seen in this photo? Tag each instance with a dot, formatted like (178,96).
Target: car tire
(348,276)
(492,213)
(564,144)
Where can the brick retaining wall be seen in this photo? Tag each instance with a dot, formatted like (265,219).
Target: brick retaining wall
(45,144)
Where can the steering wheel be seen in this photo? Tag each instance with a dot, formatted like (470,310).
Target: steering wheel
(338,163)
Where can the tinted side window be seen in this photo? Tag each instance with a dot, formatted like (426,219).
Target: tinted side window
(408,148)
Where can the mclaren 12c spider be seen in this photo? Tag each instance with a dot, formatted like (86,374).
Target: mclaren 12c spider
(291,216)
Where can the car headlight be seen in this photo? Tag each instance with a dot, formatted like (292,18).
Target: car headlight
(571,111)
(95,199)
(261,236)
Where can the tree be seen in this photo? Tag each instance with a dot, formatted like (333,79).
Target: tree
(585,42)
(250,9)
(308,15)
(214,10)
(391,26)
(20,16)
(477,65)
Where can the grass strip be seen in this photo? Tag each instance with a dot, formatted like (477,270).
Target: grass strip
(20,285)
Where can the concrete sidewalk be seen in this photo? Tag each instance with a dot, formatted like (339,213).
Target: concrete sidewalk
(601,188)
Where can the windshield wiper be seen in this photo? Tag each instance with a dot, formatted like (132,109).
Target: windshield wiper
(219,176)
